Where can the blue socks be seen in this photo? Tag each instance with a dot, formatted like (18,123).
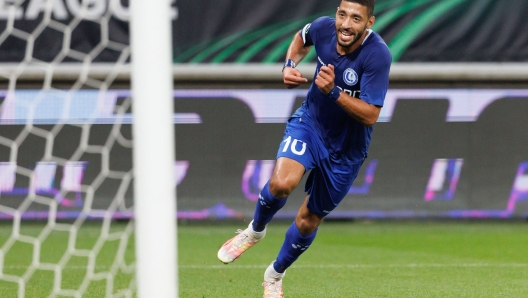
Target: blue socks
(294,245)
(267,206)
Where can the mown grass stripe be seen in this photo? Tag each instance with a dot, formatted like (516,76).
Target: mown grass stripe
(352,266)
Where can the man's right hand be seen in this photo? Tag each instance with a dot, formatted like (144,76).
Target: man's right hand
(292,77)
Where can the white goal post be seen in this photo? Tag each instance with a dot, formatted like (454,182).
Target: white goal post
(72,225)
(155,201)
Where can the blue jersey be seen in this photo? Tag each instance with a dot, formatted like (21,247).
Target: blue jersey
(363,74)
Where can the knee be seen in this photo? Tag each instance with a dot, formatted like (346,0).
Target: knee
(280,188)
(307,224)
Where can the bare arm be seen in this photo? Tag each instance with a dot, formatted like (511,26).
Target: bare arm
(365,113)
(296,52)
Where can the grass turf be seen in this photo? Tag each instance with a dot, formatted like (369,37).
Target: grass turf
(377,259)
(361,259)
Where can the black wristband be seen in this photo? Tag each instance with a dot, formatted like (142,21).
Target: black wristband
(288,63)
(334,93)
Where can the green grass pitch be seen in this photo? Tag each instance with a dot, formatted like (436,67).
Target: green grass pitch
(352,259)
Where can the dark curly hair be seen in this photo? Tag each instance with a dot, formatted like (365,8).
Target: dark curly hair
(368,3)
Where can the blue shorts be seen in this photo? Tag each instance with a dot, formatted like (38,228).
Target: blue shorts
(329,179)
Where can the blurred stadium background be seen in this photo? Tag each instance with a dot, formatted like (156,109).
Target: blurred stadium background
(451,142)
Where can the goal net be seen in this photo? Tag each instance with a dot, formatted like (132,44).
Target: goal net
(66,177)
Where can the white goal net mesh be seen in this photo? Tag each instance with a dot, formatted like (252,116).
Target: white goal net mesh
(65,151)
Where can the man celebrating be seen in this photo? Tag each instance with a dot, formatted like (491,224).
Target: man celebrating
(328,135)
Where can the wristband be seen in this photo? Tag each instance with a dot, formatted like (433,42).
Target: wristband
(288,63)
(334,93)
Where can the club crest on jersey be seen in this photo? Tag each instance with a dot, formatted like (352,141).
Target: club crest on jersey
(350,77)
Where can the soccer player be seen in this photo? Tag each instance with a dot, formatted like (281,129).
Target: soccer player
(328,136)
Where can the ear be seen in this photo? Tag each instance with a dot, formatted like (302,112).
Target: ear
(371,21)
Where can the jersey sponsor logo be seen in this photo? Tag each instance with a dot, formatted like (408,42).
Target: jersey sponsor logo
(353,93)
(350,77)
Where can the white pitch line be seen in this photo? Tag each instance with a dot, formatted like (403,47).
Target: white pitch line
(354,266)
(321,266)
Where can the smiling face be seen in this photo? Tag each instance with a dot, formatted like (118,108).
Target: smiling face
(352,20)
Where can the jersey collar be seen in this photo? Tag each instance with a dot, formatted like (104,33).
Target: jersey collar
(369,31)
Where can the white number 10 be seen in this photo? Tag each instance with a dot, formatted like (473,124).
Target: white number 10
(293,145)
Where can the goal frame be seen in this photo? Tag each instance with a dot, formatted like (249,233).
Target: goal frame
(154,153)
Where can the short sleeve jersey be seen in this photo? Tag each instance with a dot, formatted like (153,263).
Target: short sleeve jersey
(363,74)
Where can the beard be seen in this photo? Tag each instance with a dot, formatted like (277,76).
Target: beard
(348,44)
